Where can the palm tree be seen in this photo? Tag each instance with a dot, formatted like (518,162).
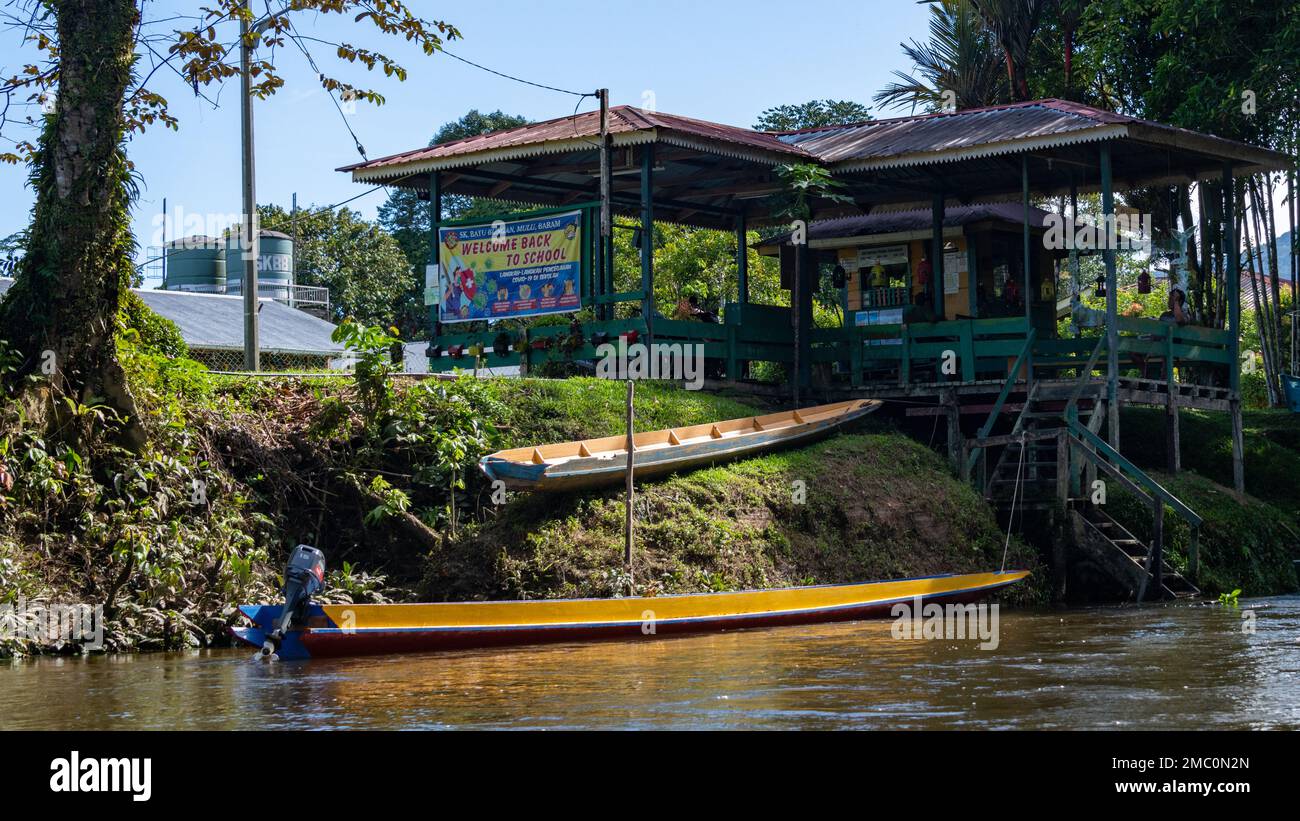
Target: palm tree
(960,64)
(1014,23)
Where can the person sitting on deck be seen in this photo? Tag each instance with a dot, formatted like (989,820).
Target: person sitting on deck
(1178,312)
(689,308)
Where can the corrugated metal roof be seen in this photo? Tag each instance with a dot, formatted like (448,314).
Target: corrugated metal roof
(900,141)
(944,132)
(562,132)
(216,322)
(890,222)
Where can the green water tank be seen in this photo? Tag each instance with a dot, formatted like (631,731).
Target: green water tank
(195,263)
(274,264)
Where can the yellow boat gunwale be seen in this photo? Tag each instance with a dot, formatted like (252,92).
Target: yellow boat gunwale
(677,607)
(615,447)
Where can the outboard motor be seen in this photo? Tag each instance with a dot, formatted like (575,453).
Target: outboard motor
(303,576)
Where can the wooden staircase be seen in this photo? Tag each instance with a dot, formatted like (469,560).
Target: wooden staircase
(1033,471)
(1035,461)
(1173,585)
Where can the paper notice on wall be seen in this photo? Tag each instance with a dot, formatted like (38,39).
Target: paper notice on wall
(882,255)
(431,285)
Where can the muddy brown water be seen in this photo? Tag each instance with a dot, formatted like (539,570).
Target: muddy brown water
(1160,666)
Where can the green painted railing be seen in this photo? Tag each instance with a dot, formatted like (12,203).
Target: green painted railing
(987,427)
(1102,447)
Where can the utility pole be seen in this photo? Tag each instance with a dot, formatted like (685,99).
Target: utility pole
(251,347)
(293,272)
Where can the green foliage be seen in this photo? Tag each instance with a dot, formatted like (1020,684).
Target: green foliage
(393,501)
(153,333)
(1244,542)
(372,349)
(961,59)
(812,114)
(1230,599)
(804,183)
(162,538)
(361,264)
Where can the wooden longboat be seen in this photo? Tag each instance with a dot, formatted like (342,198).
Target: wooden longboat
(590,463)
(366,629)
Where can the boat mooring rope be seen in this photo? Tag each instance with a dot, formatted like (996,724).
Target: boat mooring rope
(1015,493)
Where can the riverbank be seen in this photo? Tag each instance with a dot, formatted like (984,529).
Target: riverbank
(381,475)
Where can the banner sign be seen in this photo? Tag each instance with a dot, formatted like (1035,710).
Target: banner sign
(503,269)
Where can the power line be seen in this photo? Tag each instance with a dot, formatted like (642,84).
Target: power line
(518,79)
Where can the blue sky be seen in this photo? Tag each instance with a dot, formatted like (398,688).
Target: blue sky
(722,61)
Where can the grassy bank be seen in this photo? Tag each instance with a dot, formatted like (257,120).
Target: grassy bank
(1272,449)
(238,471)
(872,506)
(1246,542)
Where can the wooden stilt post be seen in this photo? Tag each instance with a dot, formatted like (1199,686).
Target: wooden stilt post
(435,218)
(936,255)
(1112,300)
(1028,260)
(953,412)
(606,218)
(628,495)
(1173,444)
(1158,548)
(1238,448)
(1232,255)
(647,239)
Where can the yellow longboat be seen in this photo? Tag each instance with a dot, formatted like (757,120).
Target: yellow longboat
(360,629)
(590,463)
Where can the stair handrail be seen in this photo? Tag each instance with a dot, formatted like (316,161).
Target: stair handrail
(1085,376)
(1141,477)
(987,427)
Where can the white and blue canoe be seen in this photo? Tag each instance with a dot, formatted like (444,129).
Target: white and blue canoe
(591,463)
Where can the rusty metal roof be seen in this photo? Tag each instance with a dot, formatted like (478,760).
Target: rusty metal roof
(1006,129)
(628,125)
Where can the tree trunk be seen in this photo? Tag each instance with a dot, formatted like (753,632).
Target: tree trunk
(61,313)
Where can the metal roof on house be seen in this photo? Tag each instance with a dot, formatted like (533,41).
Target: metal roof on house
(893,222)
(628,125)
(995,130)
(216,322)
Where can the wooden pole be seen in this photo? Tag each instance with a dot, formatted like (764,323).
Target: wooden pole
(606,223)
(1028,264)
(936,256)
(796,316)
(1158,548)
(647,239)
(628,496)
(1232,261)
(1112,300)
(742,260)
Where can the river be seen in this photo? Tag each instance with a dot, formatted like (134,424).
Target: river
(1158,666)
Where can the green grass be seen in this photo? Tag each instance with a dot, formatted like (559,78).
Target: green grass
(1272,449)
(878,506)
(542,411)
(1244,543)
